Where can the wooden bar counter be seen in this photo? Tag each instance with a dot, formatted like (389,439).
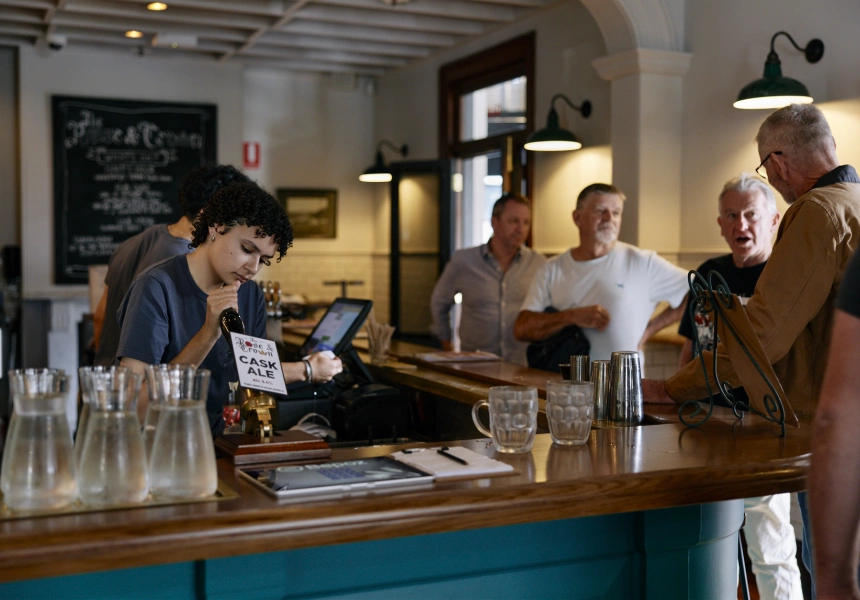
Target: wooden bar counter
(642,512)
(620,472)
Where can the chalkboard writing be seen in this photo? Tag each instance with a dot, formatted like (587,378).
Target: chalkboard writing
(117,169)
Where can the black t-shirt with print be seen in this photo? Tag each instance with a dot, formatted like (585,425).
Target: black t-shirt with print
(741,281)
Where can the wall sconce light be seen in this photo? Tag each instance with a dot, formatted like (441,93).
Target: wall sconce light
(774,90)
(553,138)
(378,172)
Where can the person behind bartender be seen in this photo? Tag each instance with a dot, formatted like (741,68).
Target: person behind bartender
(748,218)
(171,312)
(608,288)
(493,279)
(153,245)
(792,308)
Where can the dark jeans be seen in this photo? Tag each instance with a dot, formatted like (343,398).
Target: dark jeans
(807,540)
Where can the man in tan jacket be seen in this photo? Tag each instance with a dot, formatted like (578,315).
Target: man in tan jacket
(792,308)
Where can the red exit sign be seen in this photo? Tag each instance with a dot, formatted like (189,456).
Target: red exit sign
(251,155)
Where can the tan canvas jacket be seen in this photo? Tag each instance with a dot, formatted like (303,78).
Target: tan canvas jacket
(792,307)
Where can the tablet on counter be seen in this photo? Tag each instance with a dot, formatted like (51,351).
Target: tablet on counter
(338,479)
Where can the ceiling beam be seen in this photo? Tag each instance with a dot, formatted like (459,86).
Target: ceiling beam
(313,67)
(263,8)
(20,15)
(84,22)
(288,16)
(333,43)
(171,16)
(357,32)
(21,29)
(326,56)
(451,9)
(34,4)
(354,16)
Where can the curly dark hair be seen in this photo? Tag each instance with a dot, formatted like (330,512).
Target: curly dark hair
(245,203)
(201,182)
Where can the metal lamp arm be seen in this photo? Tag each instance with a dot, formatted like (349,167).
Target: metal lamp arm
(584,109)
(813,51)
(401,150)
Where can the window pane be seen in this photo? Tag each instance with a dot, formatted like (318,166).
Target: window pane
(481,187)
(500,108)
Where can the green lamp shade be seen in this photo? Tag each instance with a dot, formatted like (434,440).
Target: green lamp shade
(772,91)
(552,138)
(377,172)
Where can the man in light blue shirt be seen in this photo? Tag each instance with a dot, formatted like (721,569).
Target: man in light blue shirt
(493,279)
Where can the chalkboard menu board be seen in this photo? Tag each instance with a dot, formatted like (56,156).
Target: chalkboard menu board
(117,169)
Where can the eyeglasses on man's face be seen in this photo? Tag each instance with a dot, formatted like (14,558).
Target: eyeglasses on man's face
(762,172)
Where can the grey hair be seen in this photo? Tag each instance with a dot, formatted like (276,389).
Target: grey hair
(798,130)
(597,188)
(747,182)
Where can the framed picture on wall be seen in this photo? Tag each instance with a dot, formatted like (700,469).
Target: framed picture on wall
(312,212)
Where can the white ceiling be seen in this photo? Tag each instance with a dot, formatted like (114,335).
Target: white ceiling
(363,37)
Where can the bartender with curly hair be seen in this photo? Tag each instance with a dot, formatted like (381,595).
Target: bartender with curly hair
(172,311)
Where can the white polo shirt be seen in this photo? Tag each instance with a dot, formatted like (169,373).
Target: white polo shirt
(628,282)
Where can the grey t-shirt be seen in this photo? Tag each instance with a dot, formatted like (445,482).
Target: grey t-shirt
(164,309)
(131,258)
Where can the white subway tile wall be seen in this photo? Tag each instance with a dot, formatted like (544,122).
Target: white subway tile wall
(661,360)
(304,275)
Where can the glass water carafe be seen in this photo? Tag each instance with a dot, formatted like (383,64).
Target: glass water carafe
(38,471)
(87,399)
(112,469)
(182,464)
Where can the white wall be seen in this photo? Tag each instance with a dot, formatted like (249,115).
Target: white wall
(316,133)
(567,40)
(729,41)
(85,73)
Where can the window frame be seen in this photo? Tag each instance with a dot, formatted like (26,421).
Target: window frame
(506,61)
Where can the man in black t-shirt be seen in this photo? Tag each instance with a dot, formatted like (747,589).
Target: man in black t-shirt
(748,218)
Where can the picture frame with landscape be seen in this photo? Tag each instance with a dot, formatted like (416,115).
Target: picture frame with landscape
(312,212)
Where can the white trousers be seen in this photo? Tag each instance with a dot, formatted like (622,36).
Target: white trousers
(771,546)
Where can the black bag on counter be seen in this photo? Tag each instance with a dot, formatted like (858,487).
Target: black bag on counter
(557,349)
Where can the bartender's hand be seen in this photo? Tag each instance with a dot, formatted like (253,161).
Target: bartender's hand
(220,298)
(324,367)
(654,392)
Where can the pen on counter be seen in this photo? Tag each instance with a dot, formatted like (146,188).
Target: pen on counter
(444,452)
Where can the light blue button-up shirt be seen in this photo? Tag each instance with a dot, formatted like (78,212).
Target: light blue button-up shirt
(491,300)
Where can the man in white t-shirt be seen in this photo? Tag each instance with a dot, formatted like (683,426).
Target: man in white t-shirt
(608,288)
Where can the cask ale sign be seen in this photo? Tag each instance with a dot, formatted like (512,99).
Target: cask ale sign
(117,169)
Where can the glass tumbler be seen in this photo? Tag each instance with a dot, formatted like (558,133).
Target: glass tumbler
(183,456)
(513,417)
(112,469)
(38,471)
(569,410)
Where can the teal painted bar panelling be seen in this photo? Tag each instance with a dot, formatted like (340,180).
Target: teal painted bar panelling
(685,552)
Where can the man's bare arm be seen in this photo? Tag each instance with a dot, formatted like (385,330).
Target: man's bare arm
(686,353)
(834,477)
(533,326)
(654,392)
(99,319)
(664,319)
